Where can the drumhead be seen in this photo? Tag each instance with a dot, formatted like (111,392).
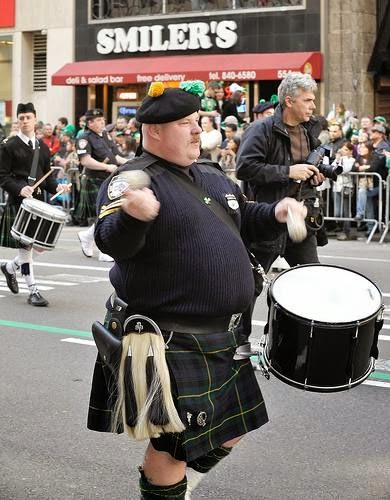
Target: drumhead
(46,211)
(326,294)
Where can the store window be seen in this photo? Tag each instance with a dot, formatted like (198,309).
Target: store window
(119,9)
(176,6)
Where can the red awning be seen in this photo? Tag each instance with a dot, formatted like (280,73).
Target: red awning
(239,67)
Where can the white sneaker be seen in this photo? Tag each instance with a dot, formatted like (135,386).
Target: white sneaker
(103,257)
(86,243)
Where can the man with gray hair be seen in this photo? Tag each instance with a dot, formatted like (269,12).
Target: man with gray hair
(271,159)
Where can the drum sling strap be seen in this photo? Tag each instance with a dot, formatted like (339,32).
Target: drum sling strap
(213,205)
(34,166)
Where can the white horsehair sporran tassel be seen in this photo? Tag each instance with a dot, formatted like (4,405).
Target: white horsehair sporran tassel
(145,402)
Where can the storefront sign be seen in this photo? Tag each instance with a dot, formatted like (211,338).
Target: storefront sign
(183,36)
(207,75)
(94,80)
(177,68)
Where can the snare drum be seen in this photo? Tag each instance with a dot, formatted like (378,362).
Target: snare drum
(323,326)
(38,223)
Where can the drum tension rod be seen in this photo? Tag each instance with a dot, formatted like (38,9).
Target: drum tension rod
(312,323)
(260,361)
(354,339)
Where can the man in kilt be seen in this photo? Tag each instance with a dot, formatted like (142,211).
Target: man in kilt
(16,161)
(99,157)
(179,264)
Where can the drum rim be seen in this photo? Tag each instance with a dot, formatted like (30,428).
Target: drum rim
(58,213)
(325,324)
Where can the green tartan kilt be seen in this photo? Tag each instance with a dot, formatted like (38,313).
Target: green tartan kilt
(218,398)
(7,221)
(86,207)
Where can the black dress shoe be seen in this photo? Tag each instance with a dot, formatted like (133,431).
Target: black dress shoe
(12,282)
(36,299)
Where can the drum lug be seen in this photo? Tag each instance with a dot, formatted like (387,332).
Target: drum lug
(260,360)
(264,371)
(381,313)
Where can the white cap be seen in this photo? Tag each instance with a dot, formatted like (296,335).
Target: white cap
(234,87)
(231,119)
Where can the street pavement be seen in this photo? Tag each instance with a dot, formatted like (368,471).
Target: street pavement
(316,445)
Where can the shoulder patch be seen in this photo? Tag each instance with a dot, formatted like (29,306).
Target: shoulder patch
(232,201)
(117,186)
(82,144)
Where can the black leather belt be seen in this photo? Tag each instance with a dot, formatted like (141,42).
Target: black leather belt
(186,324)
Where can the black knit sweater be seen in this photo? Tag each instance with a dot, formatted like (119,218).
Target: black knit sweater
(187,261)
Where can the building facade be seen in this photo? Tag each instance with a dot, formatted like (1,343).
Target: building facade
(122,47)
(105,53)
(35,39)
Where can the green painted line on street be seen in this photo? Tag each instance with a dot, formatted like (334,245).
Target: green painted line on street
(377,375)
(380,375)
(44,328)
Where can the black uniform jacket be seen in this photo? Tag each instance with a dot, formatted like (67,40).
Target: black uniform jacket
(100,147)
(16,159)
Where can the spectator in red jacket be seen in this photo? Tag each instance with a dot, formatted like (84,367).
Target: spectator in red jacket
(51,140)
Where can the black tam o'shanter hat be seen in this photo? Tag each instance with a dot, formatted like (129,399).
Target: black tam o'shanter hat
(25,108)
(93,113)
(164,105)
(262,106)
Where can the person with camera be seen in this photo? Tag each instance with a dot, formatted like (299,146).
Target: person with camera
(272,160)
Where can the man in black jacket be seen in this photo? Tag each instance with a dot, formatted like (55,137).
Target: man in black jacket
(271,159)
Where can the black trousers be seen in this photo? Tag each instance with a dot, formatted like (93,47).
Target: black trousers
(295,253)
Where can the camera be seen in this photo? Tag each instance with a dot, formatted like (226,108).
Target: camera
(316,158)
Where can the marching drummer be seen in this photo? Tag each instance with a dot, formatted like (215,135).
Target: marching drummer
(24,160)
(172,264)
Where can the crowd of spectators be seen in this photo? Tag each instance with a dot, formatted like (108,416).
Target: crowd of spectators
(358,144)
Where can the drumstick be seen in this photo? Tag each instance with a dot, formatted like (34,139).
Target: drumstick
(59,192)
(34,186)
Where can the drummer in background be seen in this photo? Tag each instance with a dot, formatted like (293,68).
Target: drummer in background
(16,158)
(99,157)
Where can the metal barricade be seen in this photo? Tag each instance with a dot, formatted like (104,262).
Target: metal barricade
(387,210)
(340,206)
(71,175)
